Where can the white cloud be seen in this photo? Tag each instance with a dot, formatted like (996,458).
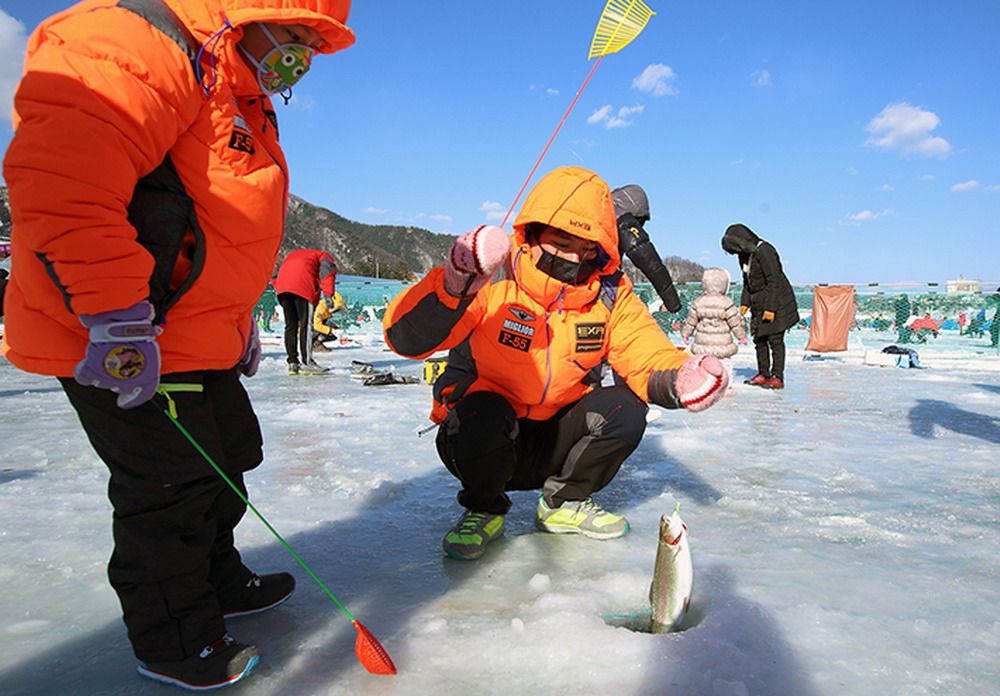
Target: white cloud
(552,91)
(656,79)
(442,219)
(928,177)
(886,187)
(907,128)
(13,38)
(371,210)
(615,119)
(994,187)
(966,185)
(760,78)
(866,216)
(600,115)
(494,211)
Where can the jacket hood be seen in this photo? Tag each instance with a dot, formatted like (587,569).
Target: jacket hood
(715,281)
(206,17)
(631,199)
(577,201)
(739,239)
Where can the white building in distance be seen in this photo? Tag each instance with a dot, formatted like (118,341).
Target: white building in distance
(963,286)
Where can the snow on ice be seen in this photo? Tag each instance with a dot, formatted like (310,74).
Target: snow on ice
(845,535)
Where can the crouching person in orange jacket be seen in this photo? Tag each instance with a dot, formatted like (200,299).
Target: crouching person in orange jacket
(147,193)
(519,403)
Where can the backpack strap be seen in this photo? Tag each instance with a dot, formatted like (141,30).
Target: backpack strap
(160,209)
(609,288)
(159,14)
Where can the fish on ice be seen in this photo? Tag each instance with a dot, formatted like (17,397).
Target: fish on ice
(673,575)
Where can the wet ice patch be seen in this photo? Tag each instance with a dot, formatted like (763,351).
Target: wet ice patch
(23,628)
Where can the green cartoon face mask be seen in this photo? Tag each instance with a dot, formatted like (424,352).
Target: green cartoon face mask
(283,66)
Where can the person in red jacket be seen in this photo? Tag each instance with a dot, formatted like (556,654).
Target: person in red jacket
(305,276)
(148,192)
(519,403)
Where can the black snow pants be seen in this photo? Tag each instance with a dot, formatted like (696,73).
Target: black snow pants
(569,456)
(771,354)
(298,327)
(173,520)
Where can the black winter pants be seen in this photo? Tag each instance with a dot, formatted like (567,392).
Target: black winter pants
(298,326)
(173,519)
(771,354)
(569,456)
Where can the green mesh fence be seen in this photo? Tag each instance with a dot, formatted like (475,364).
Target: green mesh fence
(882,308)
(879,307)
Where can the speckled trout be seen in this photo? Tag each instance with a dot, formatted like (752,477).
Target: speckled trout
(673,576)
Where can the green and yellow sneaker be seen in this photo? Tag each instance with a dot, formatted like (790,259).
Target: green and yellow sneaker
(580,517)
(467,540)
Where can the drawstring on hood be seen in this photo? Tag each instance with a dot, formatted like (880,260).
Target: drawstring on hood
(210,46)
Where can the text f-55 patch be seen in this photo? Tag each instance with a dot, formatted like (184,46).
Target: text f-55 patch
(514,340)
(589,337)
(241,138)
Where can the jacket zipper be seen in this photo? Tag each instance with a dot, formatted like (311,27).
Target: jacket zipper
(548,344)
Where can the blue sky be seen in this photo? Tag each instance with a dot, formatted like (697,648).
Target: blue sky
(859,138)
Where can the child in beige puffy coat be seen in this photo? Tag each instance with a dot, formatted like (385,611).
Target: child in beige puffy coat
(714,320)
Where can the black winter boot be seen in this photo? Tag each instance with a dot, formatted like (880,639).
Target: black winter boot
(262,592)
(218,664)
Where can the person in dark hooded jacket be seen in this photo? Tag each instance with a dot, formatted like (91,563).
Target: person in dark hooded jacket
(769,297)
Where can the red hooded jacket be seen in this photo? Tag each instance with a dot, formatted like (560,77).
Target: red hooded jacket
(307,273)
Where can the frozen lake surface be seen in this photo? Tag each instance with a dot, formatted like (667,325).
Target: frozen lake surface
(845,535)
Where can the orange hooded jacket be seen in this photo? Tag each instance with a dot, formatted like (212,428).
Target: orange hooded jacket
(528,337)
(115,134)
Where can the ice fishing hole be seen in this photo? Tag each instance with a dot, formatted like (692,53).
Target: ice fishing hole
(640,622)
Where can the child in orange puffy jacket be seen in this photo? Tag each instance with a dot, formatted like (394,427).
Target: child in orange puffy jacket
(147,192)
(519,403)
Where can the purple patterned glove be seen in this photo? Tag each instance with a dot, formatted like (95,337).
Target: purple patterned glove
(122,355)
(250,360)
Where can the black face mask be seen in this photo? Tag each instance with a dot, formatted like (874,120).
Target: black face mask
(564,270)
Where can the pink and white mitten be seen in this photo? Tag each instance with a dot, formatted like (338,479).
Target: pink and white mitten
(700,382)
(474,258)
(697,384)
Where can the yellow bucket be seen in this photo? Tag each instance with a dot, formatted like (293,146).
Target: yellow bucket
(433,367)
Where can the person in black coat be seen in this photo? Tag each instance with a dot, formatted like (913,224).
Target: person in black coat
(769,297)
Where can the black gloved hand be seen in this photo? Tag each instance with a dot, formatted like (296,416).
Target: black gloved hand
(630,233)
(635,243)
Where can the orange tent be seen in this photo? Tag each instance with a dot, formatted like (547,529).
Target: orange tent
(924,322)
(833,314)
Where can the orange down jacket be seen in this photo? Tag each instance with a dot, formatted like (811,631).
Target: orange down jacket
(529,337)
(111,121)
